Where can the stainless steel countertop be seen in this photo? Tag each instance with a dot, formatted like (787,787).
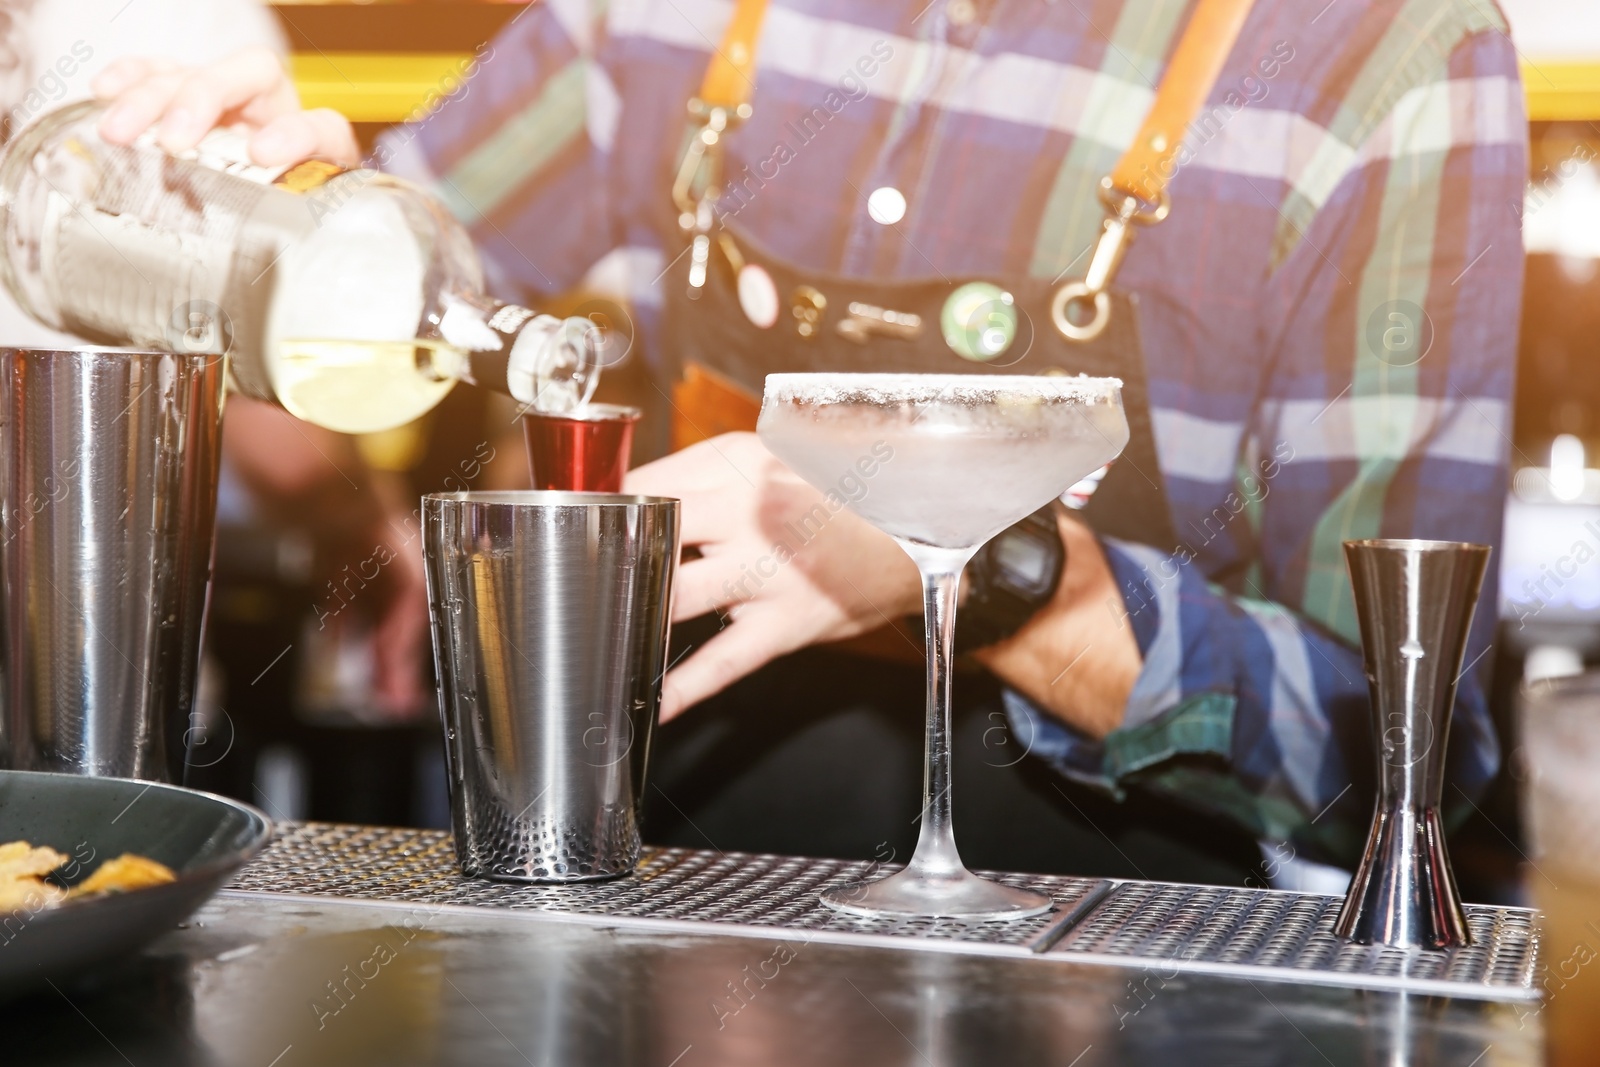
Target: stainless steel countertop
(284,981)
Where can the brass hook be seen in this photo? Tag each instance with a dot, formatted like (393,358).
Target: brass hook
(1124,211)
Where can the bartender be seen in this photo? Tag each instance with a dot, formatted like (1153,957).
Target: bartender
(1290,229)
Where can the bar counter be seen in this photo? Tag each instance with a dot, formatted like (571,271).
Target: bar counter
(345,945)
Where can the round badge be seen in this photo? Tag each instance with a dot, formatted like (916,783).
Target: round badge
(979,321)
(758,296)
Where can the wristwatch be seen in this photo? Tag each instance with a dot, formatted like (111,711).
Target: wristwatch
(1010,579)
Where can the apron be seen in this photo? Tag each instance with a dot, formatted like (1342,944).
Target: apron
(782,780)
(1084,326)
(731,357)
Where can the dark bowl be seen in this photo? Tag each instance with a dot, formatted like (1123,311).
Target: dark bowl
(203,838)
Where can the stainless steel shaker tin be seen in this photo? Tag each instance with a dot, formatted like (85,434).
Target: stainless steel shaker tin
(108,489)
(550,619)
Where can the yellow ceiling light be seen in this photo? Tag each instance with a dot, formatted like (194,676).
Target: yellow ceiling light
(396,86)
(1562,90)
(378,86)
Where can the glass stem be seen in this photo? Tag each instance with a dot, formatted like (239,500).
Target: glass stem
(941,568)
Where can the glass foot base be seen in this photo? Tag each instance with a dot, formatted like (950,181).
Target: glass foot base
(960,896)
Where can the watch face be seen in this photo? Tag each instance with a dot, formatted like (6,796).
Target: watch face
(1023,563)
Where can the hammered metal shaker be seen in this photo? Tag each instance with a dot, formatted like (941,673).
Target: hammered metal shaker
(1414,600)
(550,622)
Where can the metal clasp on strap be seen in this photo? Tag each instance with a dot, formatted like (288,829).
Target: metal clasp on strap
(864,321)
(698,184)
(1081,309)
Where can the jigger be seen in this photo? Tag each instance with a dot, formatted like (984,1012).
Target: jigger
(1414,601)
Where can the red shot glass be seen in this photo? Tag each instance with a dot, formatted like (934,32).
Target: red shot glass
(582,451)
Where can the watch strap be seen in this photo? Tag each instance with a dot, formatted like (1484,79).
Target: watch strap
(993,611)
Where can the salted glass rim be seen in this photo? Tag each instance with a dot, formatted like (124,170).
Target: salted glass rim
(796,383)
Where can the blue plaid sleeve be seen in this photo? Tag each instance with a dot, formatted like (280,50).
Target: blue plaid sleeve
(519,152)
(1391,330)
(1234,710)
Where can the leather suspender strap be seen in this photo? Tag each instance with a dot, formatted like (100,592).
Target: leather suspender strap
(723,103)
(1147,165)
(731,76)
(1144,169)
(1135,192)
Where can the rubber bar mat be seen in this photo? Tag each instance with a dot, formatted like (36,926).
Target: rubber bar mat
(1157,926)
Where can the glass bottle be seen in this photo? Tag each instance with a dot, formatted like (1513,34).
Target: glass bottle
(351,298)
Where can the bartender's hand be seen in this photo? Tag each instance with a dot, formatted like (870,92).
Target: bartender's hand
(250,88)
(739,506)
(1077,658)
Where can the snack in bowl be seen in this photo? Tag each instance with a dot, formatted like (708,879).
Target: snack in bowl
(24,867)
(22,871)
(122,874)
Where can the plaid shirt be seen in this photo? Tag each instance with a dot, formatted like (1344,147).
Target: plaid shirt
(1329,315)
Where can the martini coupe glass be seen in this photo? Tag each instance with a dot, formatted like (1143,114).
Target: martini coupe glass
(971,455)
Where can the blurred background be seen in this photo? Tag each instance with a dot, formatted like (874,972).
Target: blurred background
(287,720)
